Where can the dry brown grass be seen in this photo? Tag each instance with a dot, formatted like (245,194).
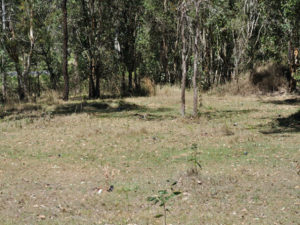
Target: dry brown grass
(268,79)
(148,86)
(53,165)
(242,86)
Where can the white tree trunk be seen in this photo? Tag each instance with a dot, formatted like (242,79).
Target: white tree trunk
(4,75)
(196,55)
(183,56)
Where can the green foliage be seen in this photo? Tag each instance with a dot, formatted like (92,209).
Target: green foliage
(162,198)
(194,159)
(235,35)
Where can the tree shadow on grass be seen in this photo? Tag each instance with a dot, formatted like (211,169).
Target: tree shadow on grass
(95,107)
(217,114)
(100,109)
(114,109)
(290,124)
(21,111)
(290,101)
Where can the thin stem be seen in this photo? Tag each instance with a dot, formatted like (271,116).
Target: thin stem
(165,212)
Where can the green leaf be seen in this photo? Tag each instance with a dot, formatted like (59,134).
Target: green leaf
(150,199)
(176,192)
(199,165)
(159,215)
(171,196)
(162,192)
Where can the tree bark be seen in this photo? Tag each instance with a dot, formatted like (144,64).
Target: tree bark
(20,83)
(77,73)
(4,75)
(123,82)
(130,80)
(97,87)
(3,15)
(196,55)
(28,59)
(183,56)
(65,51)
(4,81)
(91,80)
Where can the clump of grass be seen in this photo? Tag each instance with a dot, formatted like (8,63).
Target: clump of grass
(50,98)
(148,87)
(227,131)
(143,130)
(241,86)
(166,91)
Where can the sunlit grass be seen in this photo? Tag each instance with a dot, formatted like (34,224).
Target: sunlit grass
(56,156)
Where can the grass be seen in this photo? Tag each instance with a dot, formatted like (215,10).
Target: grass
(55,158)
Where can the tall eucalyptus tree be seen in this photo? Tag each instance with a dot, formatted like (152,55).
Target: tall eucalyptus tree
(65,49)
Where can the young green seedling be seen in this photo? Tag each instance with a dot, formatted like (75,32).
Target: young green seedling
(194,159)
(162,198)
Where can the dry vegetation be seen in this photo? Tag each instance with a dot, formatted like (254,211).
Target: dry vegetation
(55,158)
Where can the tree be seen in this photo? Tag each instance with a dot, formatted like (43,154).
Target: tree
(127,31)
(20,41)
(65,50)
(196,47)
(184,52)
(112,45)
(47,51)
(4,75)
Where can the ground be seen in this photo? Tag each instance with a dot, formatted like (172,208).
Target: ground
(55,159)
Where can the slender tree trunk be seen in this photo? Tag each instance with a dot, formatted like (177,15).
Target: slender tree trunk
(196,55)
(38,86)
(28,56)
(123,82)
(165,5)
(136,83)
(97,87)
(3,15)
(20,84)
(52,77)
(93,76)
(95,62)
(65,50)
(91,81)
(4,81)
(183,56)
(4,75)
(165,58)
(165,48)
(195,87)
(77,73)
(130,80)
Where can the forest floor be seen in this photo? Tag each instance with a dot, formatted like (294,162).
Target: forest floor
(55,159)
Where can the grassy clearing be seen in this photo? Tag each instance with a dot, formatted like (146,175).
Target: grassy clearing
(54,159)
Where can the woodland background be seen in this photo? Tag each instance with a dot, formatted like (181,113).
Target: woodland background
(118,48)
